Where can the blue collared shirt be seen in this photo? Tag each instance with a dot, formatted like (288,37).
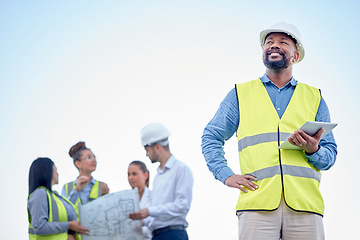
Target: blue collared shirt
(83,194)
(226,121)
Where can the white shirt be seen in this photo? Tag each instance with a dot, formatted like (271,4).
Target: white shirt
(171,195)
(144,203)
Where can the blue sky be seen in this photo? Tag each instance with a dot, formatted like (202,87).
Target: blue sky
(100,71)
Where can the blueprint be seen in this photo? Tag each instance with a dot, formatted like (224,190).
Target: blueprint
(107,217)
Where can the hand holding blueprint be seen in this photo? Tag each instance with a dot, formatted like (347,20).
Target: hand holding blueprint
(107,217)
(310,128)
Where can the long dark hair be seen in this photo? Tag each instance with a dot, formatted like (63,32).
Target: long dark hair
(40,174)
(143,168)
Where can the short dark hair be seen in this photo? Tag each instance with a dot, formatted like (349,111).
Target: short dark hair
(40,174)
(143,168)
(166,147)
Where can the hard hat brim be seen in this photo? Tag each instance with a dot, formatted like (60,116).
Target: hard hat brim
(153,133)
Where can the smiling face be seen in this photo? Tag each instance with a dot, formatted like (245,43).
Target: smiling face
(87,161)
(136,177)
(279,51)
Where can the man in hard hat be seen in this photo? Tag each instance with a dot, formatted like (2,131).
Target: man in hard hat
(172,189)
(279,189)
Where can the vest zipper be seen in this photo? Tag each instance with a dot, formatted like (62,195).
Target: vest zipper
(281,170)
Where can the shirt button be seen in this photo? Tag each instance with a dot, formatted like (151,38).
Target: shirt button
(279,90)
(278,109)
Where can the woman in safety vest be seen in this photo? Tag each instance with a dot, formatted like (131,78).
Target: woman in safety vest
(51,216)
(138,177)
(85,188)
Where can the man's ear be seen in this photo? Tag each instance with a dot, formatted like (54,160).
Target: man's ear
(296,57)
(157,147)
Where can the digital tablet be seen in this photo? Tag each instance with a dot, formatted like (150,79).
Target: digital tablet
(310,128)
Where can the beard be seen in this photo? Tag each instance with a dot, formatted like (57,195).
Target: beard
(154,158)
(280,64)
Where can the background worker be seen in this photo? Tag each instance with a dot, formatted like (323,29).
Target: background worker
(172,189)
(85,188)
(279,195)
(138,177)
(51,216)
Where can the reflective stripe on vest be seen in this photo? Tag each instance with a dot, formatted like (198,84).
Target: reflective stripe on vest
(260,138)
(95,191)
(279,172)
(295,171)
(57,213)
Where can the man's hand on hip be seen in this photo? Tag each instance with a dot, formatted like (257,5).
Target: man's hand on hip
(241,181)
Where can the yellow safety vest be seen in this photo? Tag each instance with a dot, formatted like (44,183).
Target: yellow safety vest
(279,173)
(57,213)
(95,191)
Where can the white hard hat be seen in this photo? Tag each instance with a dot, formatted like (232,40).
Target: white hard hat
(290,30)
(154,133)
